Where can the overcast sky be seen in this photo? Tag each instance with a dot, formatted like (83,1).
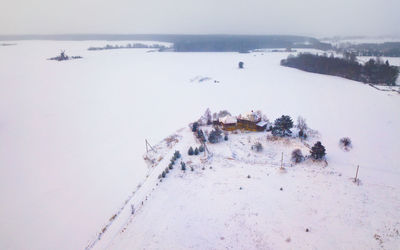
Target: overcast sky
(302,17)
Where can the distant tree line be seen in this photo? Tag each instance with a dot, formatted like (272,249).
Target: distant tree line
(243,44)
(373,71)
(130,46)
(388,49)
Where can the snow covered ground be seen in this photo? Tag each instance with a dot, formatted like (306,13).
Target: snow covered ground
(72,138)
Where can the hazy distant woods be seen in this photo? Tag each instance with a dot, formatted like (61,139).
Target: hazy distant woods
(388,49)
(373,71)
(130,46)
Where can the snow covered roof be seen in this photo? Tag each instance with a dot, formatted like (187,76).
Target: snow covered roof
(251,116)
(262,123)
(228,119)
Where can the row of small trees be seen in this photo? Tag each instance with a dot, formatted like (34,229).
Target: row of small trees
(175,157)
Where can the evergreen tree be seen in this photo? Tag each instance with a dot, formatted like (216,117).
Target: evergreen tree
(318,151)
(201,148)
(241,64)
(190,152)
(195,126)
(282,126)
(196,151)
(183,166)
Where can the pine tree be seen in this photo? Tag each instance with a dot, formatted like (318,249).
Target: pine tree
(201,148)
(318,151)
(195,126)
(282,126)
(196,151)
(183,166)
(190,152)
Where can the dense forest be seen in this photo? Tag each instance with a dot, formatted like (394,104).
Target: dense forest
(373,71)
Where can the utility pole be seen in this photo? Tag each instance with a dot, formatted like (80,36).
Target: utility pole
(148,146)
(355,179)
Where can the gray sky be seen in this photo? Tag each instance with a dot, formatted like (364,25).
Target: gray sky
(301,17)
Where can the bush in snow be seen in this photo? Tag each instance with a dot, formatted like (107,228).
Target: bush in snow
(163,174)
(257,147)
(195,126)
(318,151)
(226,137)
(282,126)
(177,154)
(183,166)
(200,135)
(171,166)
(215,136)
(345,143)
(201,148)
(297,156)
(196,151)
(190,151)
(241,64)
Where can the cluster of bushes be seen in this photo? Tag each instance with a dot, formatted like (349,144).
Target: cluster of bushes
(64,57)
(196,151)
(215,136)
(373,71)
(317,152)
(283,125)
(176,156)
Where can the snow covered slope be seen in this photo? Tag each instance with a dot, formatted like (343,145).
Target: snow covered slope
(240,199)
(72,133)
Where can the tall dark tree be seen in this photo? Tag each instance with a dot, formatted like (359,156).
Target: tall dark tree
(282,126)
(318,151)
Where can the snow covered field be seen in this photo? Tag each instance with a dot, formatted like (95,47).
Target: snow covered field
(72,138)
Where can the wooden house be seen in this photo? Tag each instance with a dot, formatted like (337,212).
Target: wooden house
(251,122)
(228,123)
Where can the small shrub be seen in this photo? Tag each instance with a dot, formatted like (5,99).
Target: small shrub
(191,169)
(170,166)
(183,166)
(163,174)
(177,154)
(195,126)
(241,64)
(201,148)
(257,147)
(166,170)
(196,151)
(190,151)
(345,143)
(226,137)
(318,151)
(297,156)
